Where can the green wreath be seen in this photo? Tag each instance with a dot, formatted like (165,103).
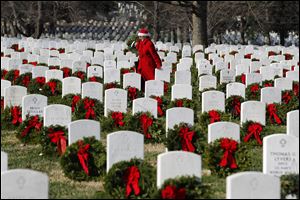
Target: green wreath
(95,79)
(29,130)
(112,85)
(253,92)
(115,121)
(11,118)
(248,137)
(67,72)
(268,83)
(12,76)
(185,137)
(24,79)
(52,88)
(81,75)
(54,140)
(222,87)
(183,187)
(289,185)
(36,85)
(144,123)
(2,105)
(117,178)
(162,103)
(184,102)
(42,64)
(133,93)
(212,116)
(3,73)
(54,67)
(241,78)
(233,106)
(275,114)
(131,39)
(77,168)
(289,100)
(88,108)
(71,100)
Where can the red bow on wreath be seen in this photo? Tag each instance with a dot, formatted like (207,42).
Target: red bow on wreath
(229,147)
(33,63)
(159,104)
(80,75)
(58,138)
(166,87)
(66,71)
(125,71)
(286,97)
(3,73)
(89,107)
(179,103)
(214,116)
(271,108)
(83,156)
(24,61)
(132,93)
(254,88)
(268,85)
(93,79)
(243,78)
(52,85)
(26,80)
(118,118)
(33,123)
(75,100)
(296,89)
(16,115)
(40,80)
(254,129)
(171,192)
(131,177)
(186,139)
(236,106)
(16,74)
(146,123)
(110,85)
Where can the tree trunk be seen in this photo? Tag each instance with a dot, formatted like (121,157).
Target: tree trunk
(156,21)
(178,35)
(39,24)
(200,23)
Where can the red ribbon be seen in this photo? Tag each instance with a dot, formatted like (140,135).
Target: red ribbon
(254,129)
(40,80)
(186,139)
(93,79)
(83,156)
(254,88)
(271,108)
(66,71)
(87,65)
(52,85)
(179,103)
(118,118)
(16,74)
(34,63)
(268,85)
(288,56)
(132,93)
(61,50)
(16,115)
(89,107)
(80,75)
(272,53)
(171,192)
(214,116)
(146,123)
(286,97)
(229,146)
(26,80)
(3,73)
(110,85)
(296,89)
(159,104)
(125,71)
(243,78)
(236,106)
(24,61)
(59,139)
(248,56)
(131,177)
(166,87)
(75,100)
(2,104)
(33,123)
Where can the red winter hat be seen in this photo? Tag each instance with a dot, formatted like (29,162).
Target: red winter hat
(143,32)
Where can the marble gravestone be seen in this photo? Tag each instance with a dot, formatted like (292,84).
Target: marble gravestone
(145,105)
(207,81)
(4,84)
(92,90)
(227,76)
(172,119)
(280,154)
(270,95)
(95,71)
(213,100)
(13,95)
(252,185)
(4,162)
(123,146)
(154,87)
(57,114)
(111,75)
(238,89)
(253,111)
(71,85)
(283,83)
(162,75)
(183,77)
(292,123)
(132,80)
(219,130)
(180,91)
(115,100)
(54,74)
(39,71)
(24,184)
(177,163)
(83,128)
(33,104)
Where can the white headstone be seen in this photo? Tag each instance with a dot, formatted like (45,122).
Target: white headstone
(283,83)
(39,71)
(123,146)
(183,77)
(252,185)
(33,104)
(13,95)
(4,84)
(154,87)
(219,130)
(95,71)
(280,154)
(57,114)
(93,90)
(145,105)
(132,80)
(253,111)
(180,91)
(54,74)
(177,163)
(294,75)
(162,75)
(79,66)
(227,76)
(253,78)
(292,123)
(238,89)
(270,95)
(207,81)
(115,100)
(213,100)
(111,75)
(71,85)
(83,128)
(24,184)
(4,162)
(172,119)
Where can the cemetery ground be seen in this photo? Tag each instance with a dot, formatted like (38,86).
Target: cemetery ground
(28,156)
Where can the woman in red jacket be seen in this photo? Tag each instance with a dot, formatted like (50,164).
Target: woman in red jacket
(148,57)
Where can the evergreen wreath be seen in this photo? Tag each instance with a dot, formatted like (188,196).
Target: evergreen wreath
(24,79)
(88,108)
(95,79)
(35,86)
(289,185)
(132,94)
(3,73)
(84,160)
(268,83)
(275,114)
(11,117)
(253,92)
(130,179)
(222,87)
(54,140)
(252,133)
(52,88)
(210,117)
(12,76)
(184,102)
(183,187)
(71,100)
(131,39)
(233,106)
(112,85)
(289,100)
(241,78)
(80,74)
(162,104)
(296,88)
(186,138)
(2,105)
(29,130)
(144,123)
(115,121)
(67,72)
(54,67)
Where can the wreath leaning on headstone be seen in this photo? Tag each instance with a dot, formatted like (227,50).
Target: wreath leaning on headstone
(233,106)
(24,79)
(84,160)
(52,88)
(88,108)
(11,117)
(184,187)
(252,133)
(29,130)
(130,179)
(35,86)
